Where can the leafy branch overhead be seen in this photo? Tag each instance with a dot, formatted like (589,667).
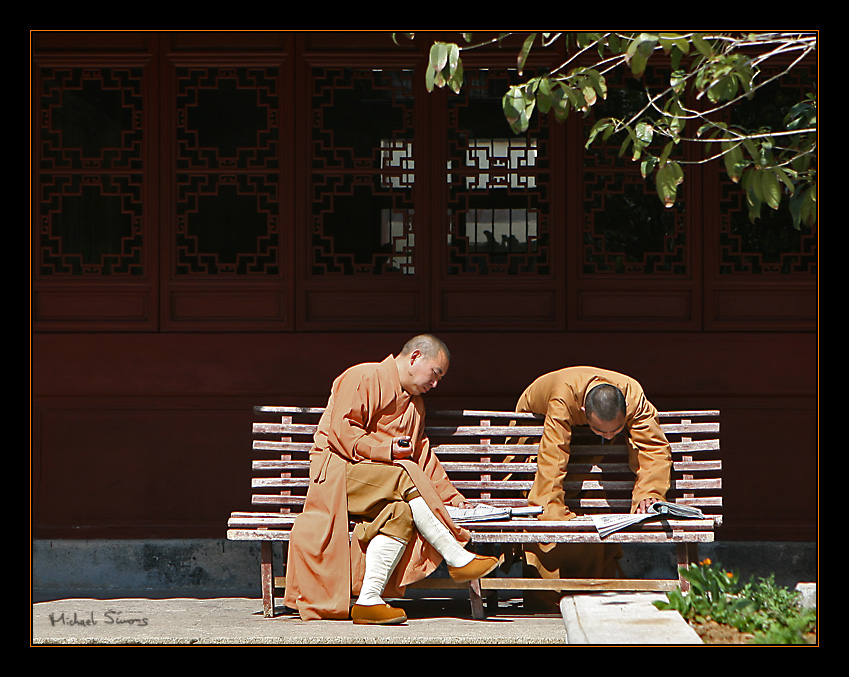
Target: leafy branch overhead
(708,75)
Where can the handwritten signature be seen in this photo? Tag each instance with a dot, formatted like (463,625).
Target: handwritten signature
(89,619)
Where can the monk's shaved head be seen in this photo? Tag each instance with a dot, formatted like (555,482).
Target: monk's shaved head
(428,345)
(606,402)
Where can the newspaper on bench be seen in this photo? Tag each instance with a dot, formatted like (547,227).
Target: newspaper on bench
(481,512)
(607,524)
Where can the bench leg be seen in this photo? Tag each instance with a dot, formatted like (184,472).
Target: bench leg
(476,599)
(267,576)
(687,554)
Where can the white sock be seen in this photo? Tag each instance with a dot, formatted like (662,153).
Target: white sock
(382,555)
(437,534)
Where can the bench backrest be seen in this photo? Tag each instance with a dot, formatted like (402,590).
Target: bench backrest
(489,456)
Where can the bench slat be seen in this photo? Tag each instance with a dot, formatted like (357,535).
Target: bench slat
(476,413)
(474,431)
(585,503)
(510,485)
(282,465)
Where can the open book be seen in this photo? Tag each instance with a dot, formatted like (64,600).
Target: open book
(607,524)
(481,512)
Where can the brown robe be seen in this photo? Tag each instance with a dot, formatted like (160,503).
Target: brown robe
(559,396)
(366,410)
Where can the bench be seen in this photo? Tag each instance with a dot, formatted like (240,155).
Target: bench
(478,452)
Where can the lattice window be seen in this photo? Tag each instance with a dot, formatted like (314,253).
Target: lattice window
(626,229)
(498,185)
(227,159)
(363,165)
(770,245)
(227,224)
(90,150)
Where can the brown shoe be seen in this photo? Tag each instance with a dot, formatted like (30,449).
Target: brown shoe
(479,567)
(377,614)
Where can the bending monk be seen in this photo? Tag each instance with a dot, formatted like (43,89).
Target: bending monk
(610,404)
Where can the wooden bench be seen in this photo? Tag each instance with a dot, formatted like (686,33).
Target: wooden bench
(479,453)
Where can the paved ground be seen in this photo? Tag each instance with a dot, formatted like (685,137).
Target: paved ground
(599,618)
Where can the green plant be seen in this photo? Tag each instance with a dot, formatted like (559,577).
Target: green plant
(713,595)
(771,613)
(776,615)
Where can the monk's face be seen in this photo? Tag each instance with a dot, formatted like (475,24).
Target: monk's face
(606,429)
(423,373)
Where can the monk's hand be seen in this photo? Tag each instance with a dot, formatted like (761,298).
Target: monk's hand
(643,506)
(402,447)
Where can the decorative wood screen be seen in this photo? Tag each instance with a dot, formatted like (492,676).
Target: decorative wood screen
(207,186)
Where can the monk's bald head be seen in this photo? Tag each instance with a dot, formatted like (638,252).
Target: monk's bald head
(422,363)
(428,345)
(606,402)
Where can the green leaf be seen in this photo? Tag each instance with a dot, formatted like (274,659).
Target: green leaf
(518,108)
(647,166)
(626,142)
(639,51)
(733,159)
(678,81)
(674,116)
(750,185)
(785,178)
(795,203)
(596,79)
(600,126)
(545,100)
(589,92)
(430,78)
(809,206)
(438,56)
(664,157)
(455,81)
(674,40)
(453,57)
(669,177)
(526,49)
(702,46)
(406,36)
(770,188)
(645,132)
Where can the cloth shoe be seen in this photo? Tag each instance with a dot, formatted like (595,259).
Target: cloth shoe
(479,567)
(377,614)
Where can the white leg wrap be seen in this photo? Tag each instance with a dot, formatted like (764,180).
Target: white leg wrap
(382,555)
(437,534)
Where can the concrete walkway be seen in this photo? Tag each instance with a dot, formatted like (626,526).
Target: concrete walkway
(623,618)
(598,618)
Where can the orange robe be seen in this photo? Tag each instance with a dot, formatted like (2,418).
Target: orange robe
(366,410)
(559,396)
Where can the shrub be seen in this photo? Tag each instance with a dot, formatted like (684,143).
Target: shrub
(771,613)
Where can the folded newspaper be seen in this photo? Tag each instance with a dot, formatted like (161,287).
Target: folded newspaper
(607,524)
(482,511)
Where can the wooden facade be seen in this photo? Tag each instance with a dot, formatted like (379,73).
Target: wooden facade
(223,219)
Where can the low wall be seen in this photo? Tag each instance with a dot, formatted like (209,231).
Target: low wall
(215,567)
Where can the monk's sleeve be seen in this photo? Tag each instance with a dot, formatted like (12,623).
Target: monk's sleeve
(651,455)
(353,405)
(552,459)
